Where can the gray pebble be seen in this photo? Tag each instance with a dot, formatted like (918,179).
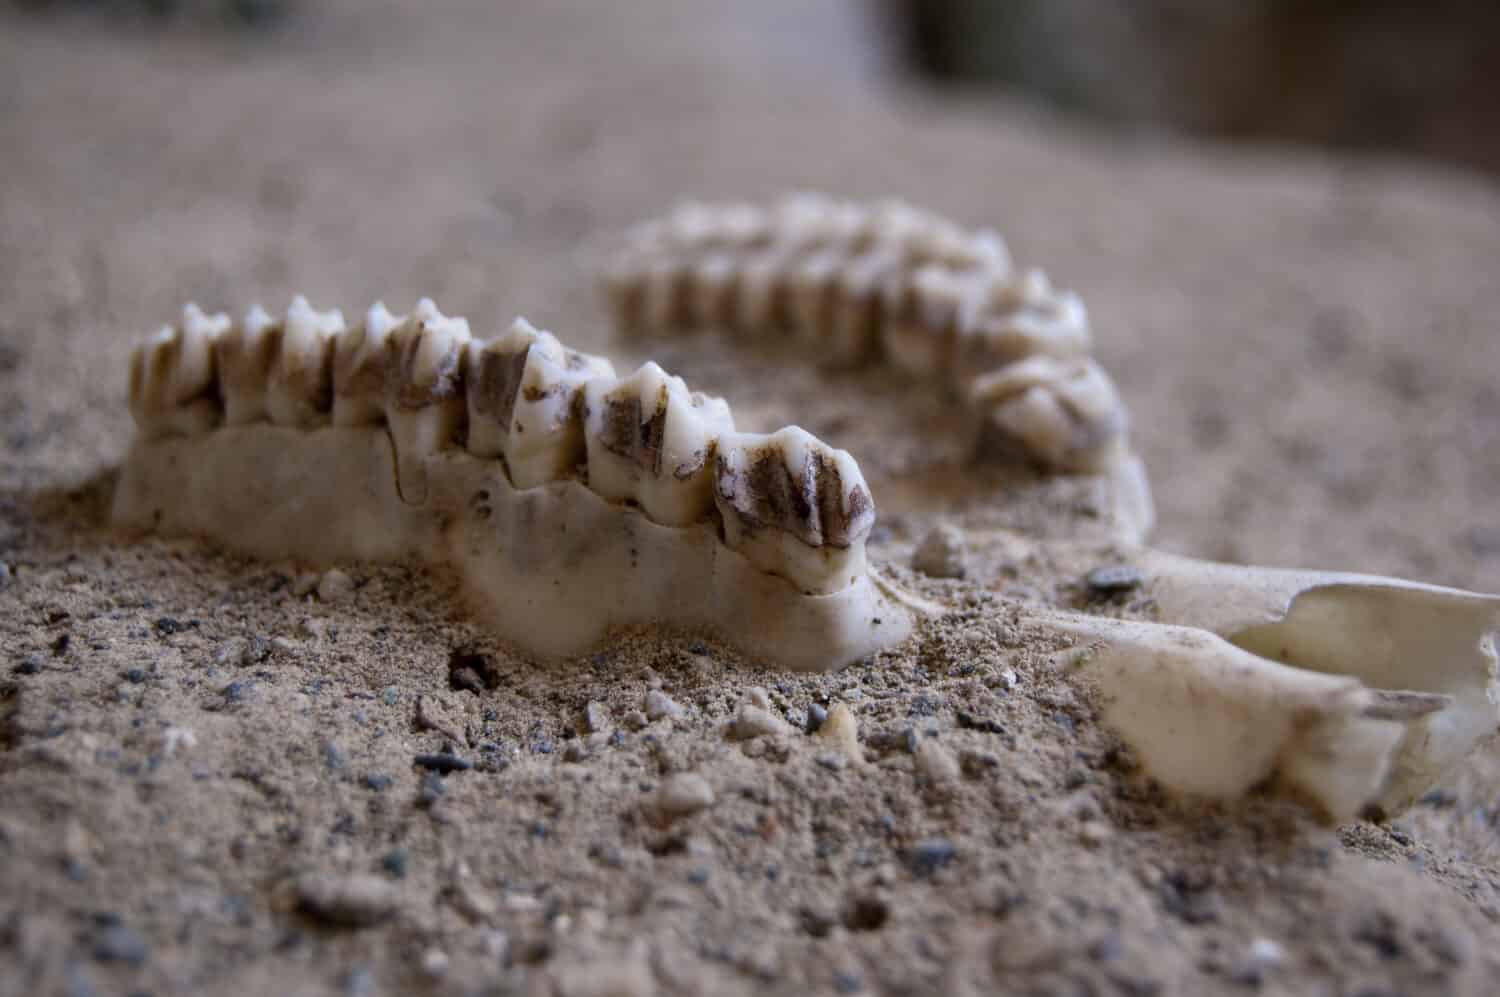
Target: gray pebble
(117,943)
(1113,579)
(595,718)
(682,794)
(348,901)
(753,721)
(335,586)
(333,755)
(831,760)
(815,717)
(929,855)
(659,705)
(30,665)
(941,553)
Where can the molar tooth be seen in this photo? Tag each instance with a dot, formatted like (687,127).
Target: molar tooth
(794,506)
(811,288)
(711,292)
(1012,323)
(359,368)
(919,335)
(858,305)
(1064,414)
(424,396)
(299,390)
(651,440)
(245,357)
(624,285)
(761,307)
(665,295)
(523,388)
(173,388)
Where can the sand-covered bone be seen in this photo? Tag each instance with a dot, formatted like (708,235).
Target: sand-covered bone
(173,388)
(883,281)
(553,561)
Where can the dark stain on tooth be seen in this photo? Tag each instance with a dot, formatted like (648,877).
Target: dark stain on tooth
(497,382)
(627,433)
(809,504)
(402,347)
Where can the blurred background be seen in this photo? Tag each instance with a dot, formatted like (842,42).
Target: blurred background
(1394,75)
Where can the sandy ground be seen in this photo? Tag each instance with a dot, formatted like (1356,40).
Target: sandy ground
(206,772)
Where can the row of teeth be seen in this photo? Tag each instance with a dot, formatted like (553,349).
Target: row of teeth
(788,502)
(891,281)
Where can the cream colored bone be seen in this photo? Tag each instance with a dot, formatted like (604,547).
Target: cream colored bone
(556,554)
(887,281)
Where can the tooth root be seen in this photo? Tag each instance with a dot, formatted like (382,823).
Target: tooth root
(1064,415)
(524,390)
(173,387)
(651,441)
(359,368)
(299,391)
(794,506)
(424,389)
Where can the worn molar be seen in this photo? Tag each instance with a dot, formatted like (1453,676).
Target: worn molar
(359,368)
(173,387)
(243,358)
(299,389)
(424,388)
(524,391)
(1062,415)
(1023,318)
(652,441)
(794,506)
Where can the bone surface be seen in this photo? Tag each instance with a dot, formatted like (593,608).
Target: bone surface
(861,282)
(615,521)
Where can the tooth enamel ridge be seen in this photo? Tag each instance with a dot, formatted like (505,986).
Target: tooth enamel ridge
(570,500)
(883,281)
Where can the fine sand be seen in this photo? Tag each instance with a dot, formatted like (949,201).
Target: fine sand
(206,767)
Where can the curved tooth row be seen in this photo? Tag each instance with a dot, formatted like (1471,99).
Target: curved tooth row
(886,280)
(794,506)
(789,503)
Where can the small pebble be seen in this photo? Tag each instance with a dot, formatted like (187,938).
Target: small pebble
(929,855)
(30,665)
(335,586)
(682,794)
(595,718)
(756,721)
(659,705)
(442,763)
(941,553)
(841,731)
(378,781)
(117,943)
(831,760)
(348,901)
(333,755)
(5,574)
(1093,833)
(936,762)
(394,862)
(816,716)
(757,696)
(435,962)
(1112,579)
(305,583)
(634,720)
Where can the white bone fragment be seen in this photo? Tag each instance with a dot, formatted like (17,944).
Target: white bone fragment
(1065,414)
(552,568)
(1209,718)
(299,390)
(359,368)
(524,395)
(172,384)
(1388,633)
(794,506)
(651,441)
